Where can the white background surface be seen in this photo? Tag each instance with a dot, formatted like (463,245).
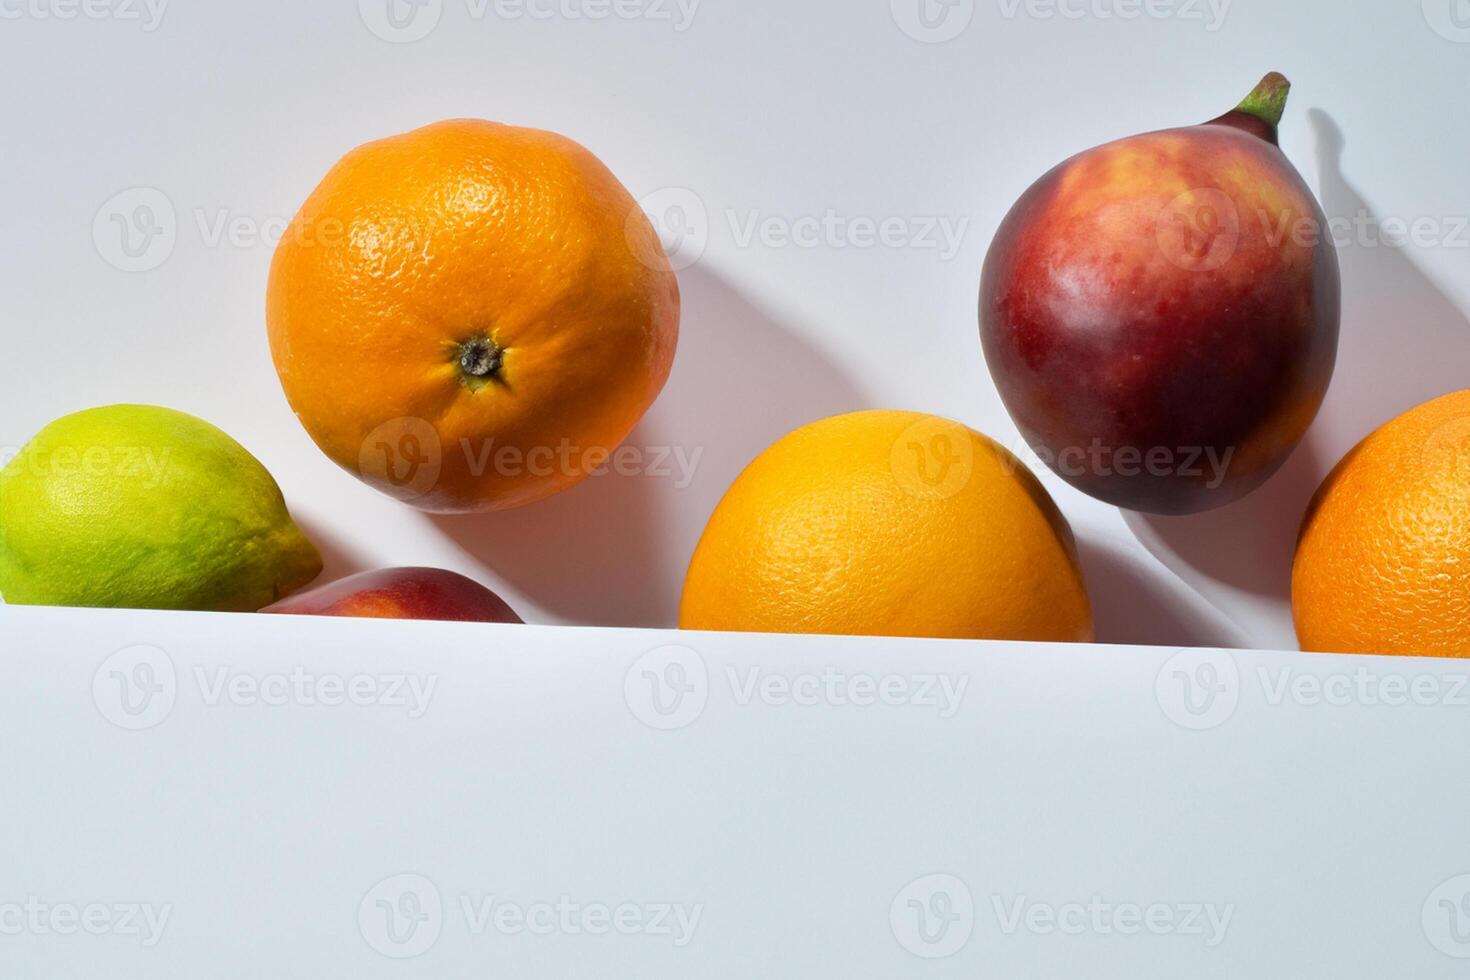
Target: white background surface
(1313,803)
(754,109)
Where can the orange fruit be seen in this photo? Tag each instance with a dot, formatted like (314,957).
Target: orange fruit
(1383,562)
(471,316)
(888,524)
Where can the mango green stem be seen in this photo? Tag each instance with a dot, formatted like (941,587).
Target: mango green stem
(1267,100)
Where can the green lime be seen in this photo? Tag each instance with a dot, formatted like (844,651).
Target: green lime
(139,507)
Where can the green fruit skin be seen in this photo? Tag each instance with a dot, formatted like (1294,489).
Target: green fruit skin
(133,506)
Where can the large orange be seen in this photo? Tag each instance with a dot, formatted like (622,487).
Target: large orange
(1383,564)
(471,316)
(893,524)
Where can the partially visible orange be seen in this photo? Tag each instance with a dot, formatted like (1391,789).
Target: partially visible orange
(888,524)
(470,316)
(1383,564)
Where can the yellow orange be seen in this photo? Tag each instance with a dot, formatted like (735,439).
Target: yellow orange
(1383,563)
(470,316)
(888,523)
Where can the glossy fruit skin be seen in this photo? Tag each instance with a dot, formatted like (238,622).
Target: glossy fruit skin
(402,593)
(1175,293)
(459,232)
(141,507)
(1383,562)
(888,523)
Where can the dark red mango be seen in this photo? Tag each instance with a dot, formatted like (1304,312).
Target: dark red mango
(1161,313)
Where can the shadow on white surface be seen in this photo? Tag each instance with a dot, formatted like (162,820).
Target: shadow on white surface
(339,559)
(1403,343)
(1248,544)
(612,550)
(1134,607)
